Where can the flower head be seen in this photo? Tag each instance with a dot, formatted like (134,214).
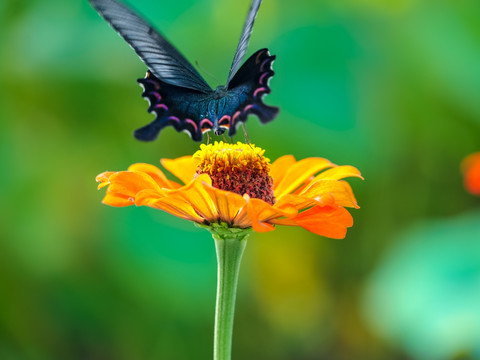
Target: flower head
(239,168)
(471,171)
(234,184)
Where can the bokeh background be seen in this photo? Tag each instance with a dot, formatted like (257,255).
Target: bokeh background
(389,86)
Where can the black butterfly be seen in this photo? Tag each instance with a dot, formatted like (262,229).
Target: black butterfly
(178,95)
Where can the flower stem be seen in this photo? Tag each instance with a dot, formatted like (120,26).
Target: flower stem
(230,244)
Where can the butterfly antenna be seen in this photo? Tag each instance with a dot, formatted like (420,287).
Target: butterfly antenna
(206,72)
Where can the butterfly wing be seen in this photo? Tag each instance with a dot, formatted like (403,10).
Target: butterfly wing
(161,57)
(196,113)
(244,38)
(184,109)
(246,89)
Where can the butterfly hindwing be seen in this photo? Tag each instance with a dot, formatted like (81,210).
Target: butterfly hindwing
(184,109)
(251,83)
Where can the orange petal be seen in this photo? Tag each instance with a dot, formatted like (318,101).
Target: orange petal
(195,194)
(326,221)
(256,209)
(340,190)
(299,172)
(103,179)
(242,220)
(471,170)
(173,205)
(280,167)
(227,203)
(261,213)
(129,183)
(177,207)
(339,172)
(148,197)
(302,202)
(183,167)
(156,175)
(117,200)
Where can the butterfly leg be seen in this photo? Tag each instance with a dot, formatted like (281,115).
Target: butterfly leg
(247,141)
(208,137)
(245,133)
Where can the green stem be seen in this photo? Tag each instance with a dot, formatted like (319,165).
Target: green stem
(230,244)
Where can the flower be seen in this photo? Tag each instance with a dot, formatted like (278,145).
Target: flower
(471,172)
(235,185)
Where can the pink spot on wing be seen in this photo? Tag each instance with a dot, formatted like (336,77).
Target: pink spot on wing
(262,77)
(191,122)
(227,117)
(248,107)
(156,95)
(264,63)
(258,90)
(203,121)
(161,106)
(235,116)
(174,118)
(154,83)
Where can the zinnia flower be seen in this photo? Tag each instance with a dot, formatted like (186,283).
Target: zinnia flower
(236,186)
(471,171)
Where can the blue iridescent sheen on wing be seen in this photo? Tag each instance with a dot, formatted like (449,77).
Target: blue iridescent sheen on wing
(182,108)
(224,108)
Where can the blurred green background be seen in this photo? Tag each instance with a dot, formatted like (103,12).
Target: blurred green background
(389,86)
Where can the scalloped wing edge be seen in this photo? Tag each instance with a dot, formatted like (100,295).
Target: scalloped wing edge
(149,132)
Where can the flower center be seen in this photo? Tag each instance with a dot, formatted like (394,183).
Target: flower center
(239,168)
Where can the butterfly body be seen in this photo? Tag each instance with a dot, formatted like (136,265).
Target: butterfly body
(178,95)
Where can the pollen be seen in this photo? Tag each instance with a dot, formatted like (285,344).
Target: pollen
(239,168)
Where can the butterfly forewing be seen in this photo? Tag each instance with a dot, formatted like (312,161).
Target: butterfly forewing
(244,38)
(161,57)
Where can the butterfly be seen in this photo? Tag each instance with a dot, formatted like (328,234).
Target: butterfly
(178,95)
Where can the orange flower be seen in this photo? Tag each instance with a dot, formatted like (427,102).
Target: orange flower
(235,185)
(471,171)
